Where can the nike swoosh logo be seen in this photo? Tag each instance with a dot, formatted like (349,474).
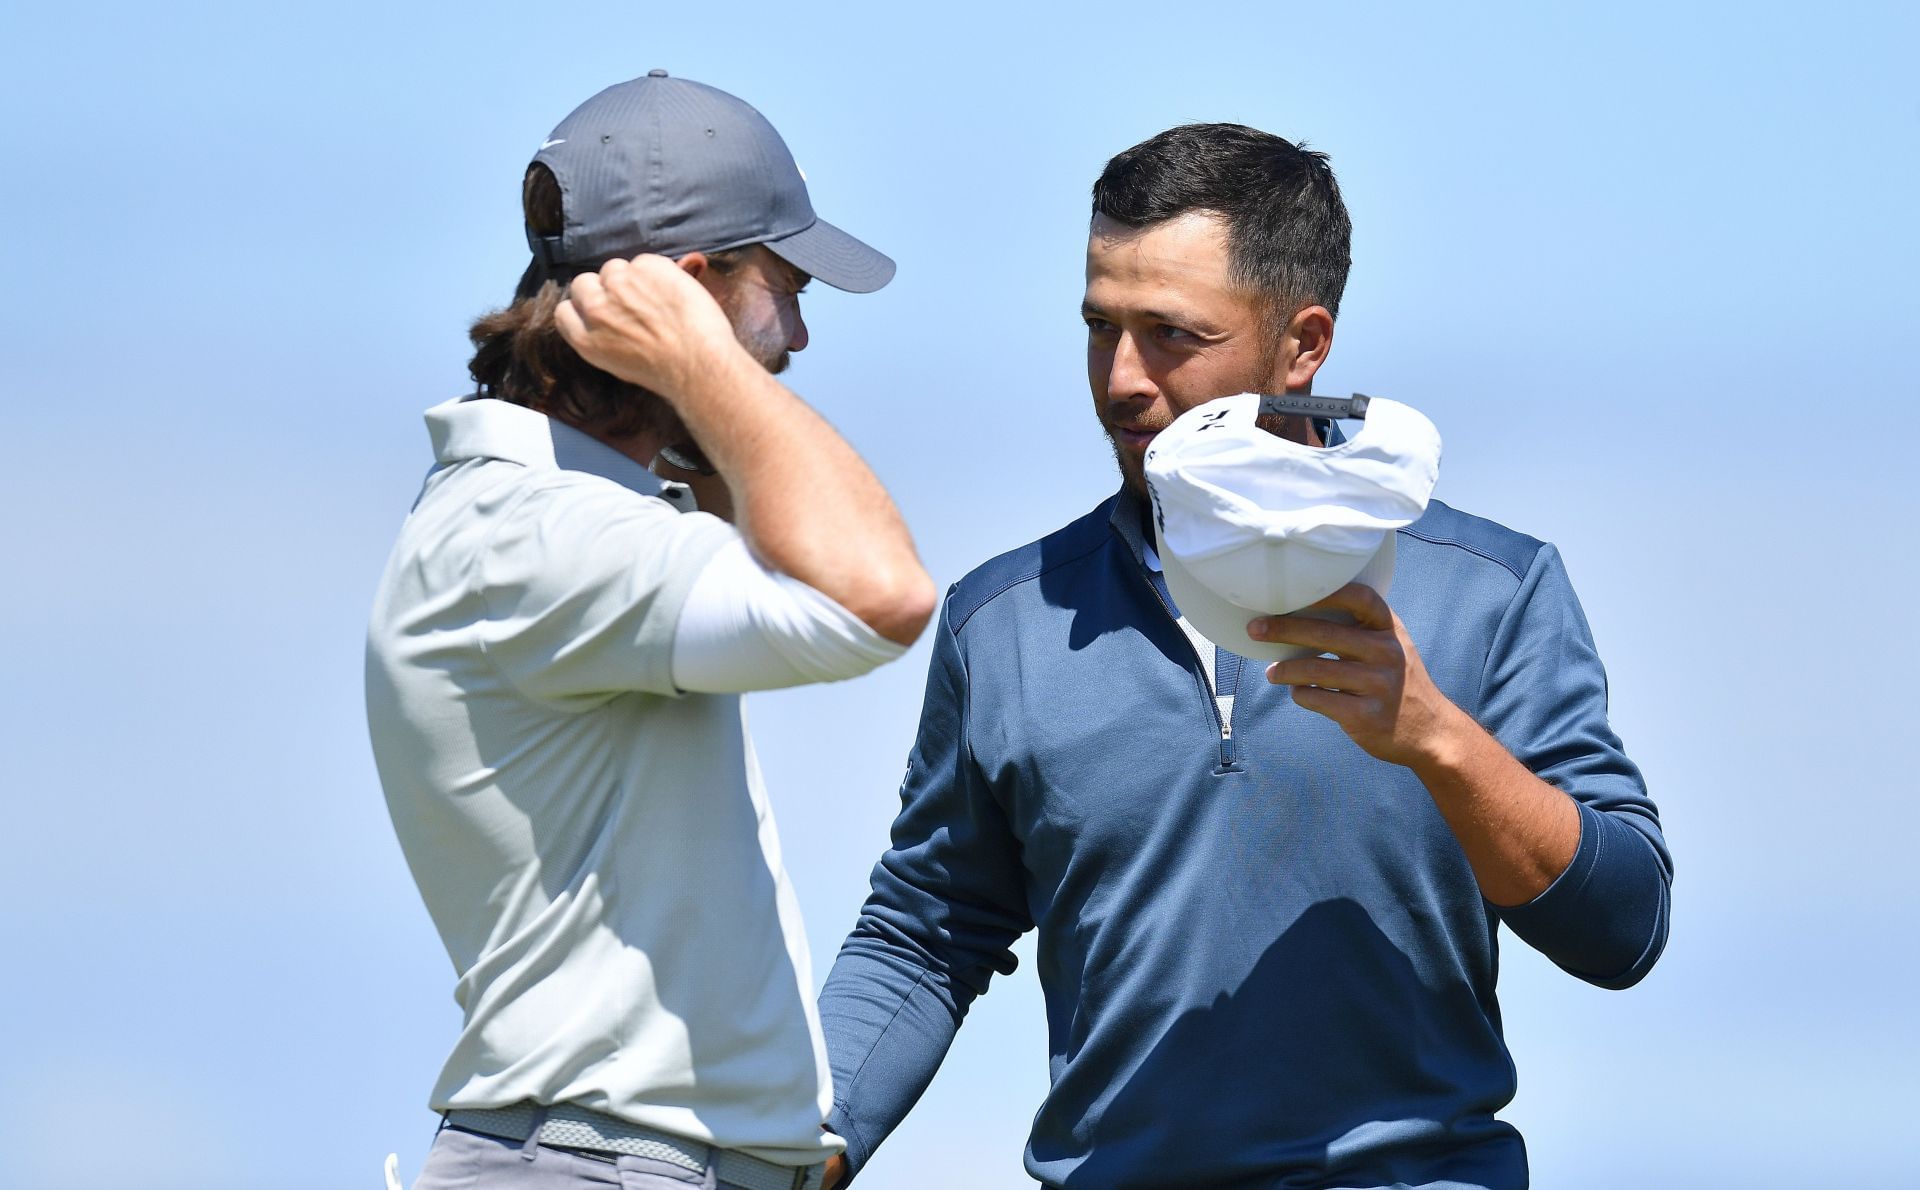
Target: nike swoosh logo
(551,143)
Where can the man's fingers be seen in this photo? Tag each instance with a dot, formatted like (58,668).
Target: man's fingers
(645,274)
(1361,602)
(1323,636)
(654,264)
(586,291)
(1336,705)
(1369,638)
(573,328)
(1348,676)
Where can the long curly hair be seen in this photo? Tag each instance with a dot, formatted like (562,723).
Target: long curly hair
(519,355)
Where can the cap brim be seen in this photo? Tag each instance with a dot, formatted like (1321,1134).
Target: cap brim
(1225,623)
(833,256)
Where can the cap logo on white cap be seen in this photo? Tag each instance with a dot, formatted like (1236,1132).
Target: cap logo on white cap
(1248,523)
(1213,420)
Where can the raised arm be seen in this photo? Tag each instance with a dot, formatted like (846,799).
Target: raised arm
(948,901)
(803,498)
(1551,814)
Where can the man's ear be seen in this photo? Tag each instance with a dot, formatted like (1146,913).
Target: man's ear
(700,267)
(1308,339)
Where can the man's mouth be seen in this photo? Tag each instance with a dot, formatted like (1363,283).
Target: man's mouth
(1133,437)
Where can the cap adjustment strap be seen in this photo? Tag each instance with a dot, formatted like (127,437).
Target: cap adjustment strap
(546,250)
(1313,405)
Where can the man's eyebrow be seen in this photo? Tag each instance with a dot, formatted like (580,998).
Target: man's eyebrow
(1181,318)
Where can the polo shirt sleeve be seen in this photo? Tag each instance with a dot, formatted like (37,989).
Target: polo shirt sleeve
(1545,698)
(746,626)
(582,583)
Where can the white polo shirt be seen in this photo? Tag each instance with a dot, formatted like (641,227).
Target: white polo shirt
(595,848)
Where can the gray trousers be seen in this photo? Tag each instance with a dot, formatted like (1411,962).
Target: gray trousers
(462,1160)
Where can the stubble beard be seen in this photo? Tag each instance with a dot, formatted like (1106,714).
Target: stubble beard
(1132,477)
(773,358)
(766,345)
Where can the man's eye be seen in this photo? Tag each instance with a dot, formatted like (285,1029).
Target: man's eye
(1174,333)
(1099,326)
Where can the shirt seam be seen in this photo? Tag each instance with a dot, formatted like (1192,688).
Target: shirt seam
(1502,563)
(845,1102)
(1656,945)
(854,1135)
(1578,887)
(478,589)
(1506,616)
(974,775)
(1010,584)
(1653,945)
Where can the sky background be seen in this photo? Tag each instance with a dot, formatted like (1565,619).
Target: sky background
(1650,269)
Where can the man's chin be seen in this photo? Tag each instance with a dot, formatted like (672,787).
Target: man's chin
(1132,470)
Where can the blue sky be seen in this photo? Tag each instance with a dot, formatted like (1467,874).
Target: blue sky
(1649,268)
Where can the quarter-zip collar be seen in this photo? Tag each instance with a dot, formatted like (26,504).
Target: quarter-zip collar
(1128,513)
(1218,682)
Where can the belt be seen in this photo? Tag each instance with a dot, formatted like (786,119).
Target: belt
(565,1126)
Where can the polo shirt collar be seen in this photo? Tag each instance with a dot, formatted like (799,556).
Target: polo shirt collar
(475,427)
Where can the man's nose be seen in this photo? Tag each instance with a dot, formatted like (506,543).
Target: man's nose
(799,340)
(1127,374)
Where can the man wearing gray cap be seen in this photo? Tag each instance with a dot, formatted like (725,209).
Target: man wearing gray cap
(560,640)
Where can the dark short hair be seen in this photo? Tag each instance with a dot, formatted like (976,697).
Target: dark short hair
(1288,236)
(520,357)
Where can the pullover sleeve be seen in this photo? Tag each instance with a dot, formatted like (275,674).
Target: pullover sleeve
(1544,696)
(948,901)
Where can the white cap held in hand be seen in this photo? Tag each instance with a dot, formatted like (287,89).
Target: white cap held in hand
(1248,523)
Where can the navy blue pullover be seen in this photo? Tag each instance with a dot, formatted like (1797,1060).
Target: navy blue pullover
(1265,958)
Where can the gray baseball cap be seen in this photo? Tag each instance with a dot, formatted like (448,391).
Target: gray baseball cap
(672,166)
